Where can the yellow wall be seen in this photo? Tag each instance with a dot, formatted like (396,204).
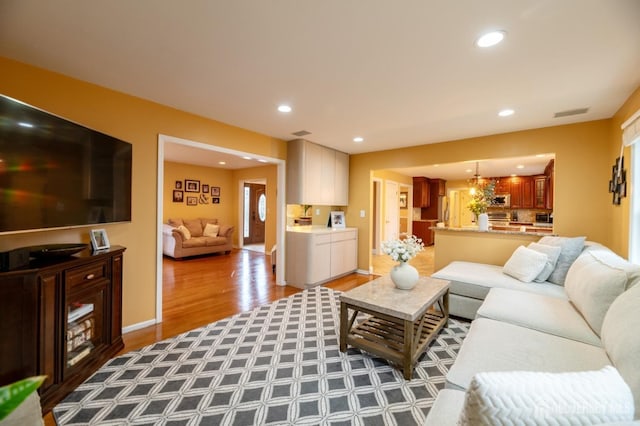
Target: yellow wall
(139,122)
(582,165)
(270,175)
(619,225)
(206,175)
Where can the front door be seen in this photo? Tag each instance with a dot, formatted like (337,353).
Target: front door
(255,213)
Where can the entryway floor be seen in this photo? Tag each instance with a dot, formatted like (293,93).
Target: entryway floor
(423,262)
(254,247)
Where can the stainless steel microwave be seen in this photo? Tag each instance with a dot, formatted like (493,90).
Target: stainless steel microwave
(501,200)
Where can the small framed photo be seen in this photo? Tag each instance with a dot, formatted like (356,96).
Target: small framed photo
(192,201)
(337,219)
(191,185)
(99,239)
(403,199)
(215,191)
(215,200)
(178,196)
(205,188)
(178,184)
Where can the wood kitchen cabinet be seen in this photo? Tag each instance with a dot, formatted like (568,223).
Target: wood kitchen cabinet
(421,193)
(540,192)
(521,190)
(421,229)
(503,186)
(316,174)
(61,317)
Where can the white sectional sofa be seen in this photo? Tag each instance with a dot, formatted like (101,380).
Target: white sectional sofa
(568,354)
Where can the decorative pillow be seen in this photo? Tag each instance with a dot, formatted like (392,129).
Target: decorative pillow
(592,285)
(525,264)
(570,250)
(552,253)
(175,222)
(211,230)
(186,234)
(204,221)
(526,397)
(195,227)
(224,229)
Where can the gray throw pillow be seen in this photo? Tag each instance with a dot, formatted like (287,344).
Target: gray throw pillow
(570,250)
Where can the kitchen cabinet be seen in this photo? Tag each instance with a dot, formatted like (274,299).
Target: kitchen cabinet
(540,192)
(318,255)
(437,187)
(549,172)
(421,229)
(421,193)
(62,317)
(316,175)
(521,190)
(503,186)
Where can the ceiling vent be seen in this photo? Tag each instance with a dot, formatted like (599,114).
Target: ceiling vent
(301,133)
(570,112)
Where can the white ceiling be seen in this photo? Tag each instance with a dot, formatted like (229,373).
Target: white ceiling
(396,73)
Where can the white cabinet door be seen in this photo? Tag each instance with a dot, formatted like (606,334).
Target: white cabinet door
(319,260)
(313,163)
(326,179)
(344,252)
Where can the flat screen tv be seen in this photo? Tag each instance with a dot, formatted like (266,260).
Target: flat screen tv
(58,174)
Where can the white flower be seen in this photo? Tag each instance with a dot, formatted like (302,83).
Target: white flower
(403,250)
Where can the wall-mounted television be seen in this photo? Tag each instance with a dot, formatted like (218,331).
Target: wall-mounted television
(58,174)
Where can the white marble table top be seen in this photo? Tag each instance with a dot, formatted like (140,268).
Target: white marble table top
(381,295)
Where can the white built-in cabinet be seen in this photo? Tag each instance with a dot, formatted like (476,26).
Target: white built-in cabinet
(317,255)
(316,175)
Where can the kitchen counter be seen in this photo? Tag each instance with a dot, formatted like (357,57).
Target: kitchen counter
(316,229)
(530,230)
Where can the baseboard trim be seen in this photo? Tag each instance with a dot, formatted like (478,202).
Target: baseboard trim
(138,326)
(362,272)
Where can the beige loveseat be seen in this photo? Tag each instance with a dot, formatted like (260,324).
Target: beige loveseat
(192,237)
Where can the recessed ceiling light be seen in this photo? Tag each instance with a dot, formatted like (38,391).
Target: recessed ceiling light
(284,108)
(520,166)
(513,175)
(506,112)
(358,139)
(490,39)
(468,170)
(23,124)
(539,155)
(262,161)
(222,163)
(436,165)
(246,158)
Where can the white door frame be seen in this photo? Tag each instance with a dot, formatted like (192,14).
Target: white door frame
(280,208)
(262,181)
(391,227)
(377,207)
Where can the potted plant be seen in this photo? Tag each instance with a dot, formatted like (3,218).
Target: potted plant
(481,196)
(13,395)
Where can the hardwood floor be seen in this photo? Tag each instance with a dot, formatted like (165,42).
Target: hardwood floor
(201,290)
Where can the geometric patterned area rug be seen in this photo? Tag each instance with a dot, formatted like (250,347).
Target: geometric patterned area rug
(279,364)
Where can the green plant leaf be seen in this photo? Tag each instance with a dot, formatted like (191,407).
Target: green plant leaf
(13,394)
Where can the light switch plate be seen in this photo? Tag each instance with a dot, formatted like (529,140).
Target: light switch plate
(361,213)
(317,212)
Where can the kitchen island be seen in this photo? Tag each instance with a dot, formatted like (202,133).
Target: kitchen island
(472,245)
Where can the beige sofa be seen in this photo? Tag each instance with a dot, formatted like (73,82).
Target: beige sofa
(191,237)
(536,358)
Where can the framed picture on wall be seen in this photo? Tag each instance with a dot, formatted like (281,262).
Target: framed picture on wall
(178,196)
(215,191)
(215,200)
(192,201)
(403,199)
(178,184)
(205,188)
(191,185)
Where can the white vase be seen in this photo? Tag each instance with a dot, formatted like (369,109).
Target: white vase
(483,222)
(404,276)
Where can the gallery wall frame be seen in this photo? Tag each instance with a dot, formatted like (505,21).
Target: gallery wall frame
(191,185)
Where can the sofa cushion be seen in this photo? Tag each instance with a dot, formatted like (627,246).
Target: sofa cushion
(552,252)
(622,341)
(214,241)
(525,397)
(194,242)
(525,264)
(474,280)
(592,285)
(498,346)
(175,222)
(570,250)
(446,408)
(538,312)
(210,230)
(194,226)
(186,234)
(224,230)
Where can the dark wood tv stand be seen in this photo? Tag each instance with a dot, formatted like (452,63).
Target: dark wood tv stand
(61,318)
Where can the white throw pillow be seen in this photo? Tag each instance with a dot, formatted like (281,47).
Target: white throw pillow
(186,234)
(571,249)
(536,398)
(525,264)
(552,253)
(211,230)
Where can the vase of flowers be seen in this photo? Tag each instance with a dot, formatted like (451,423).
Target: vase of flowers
(481,196)
(403,275)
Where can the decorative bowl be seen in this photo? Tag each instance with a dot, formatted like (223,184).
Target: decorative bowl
(56,250)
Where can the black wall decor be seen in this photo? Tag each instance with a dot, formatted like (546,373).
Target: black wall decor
(618,182)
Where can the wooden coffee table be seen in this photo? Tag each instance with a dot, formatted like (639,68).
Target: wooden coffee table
(402,323)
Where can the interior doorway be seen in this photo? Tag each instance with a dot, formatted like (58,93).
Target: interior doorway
(254,216)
